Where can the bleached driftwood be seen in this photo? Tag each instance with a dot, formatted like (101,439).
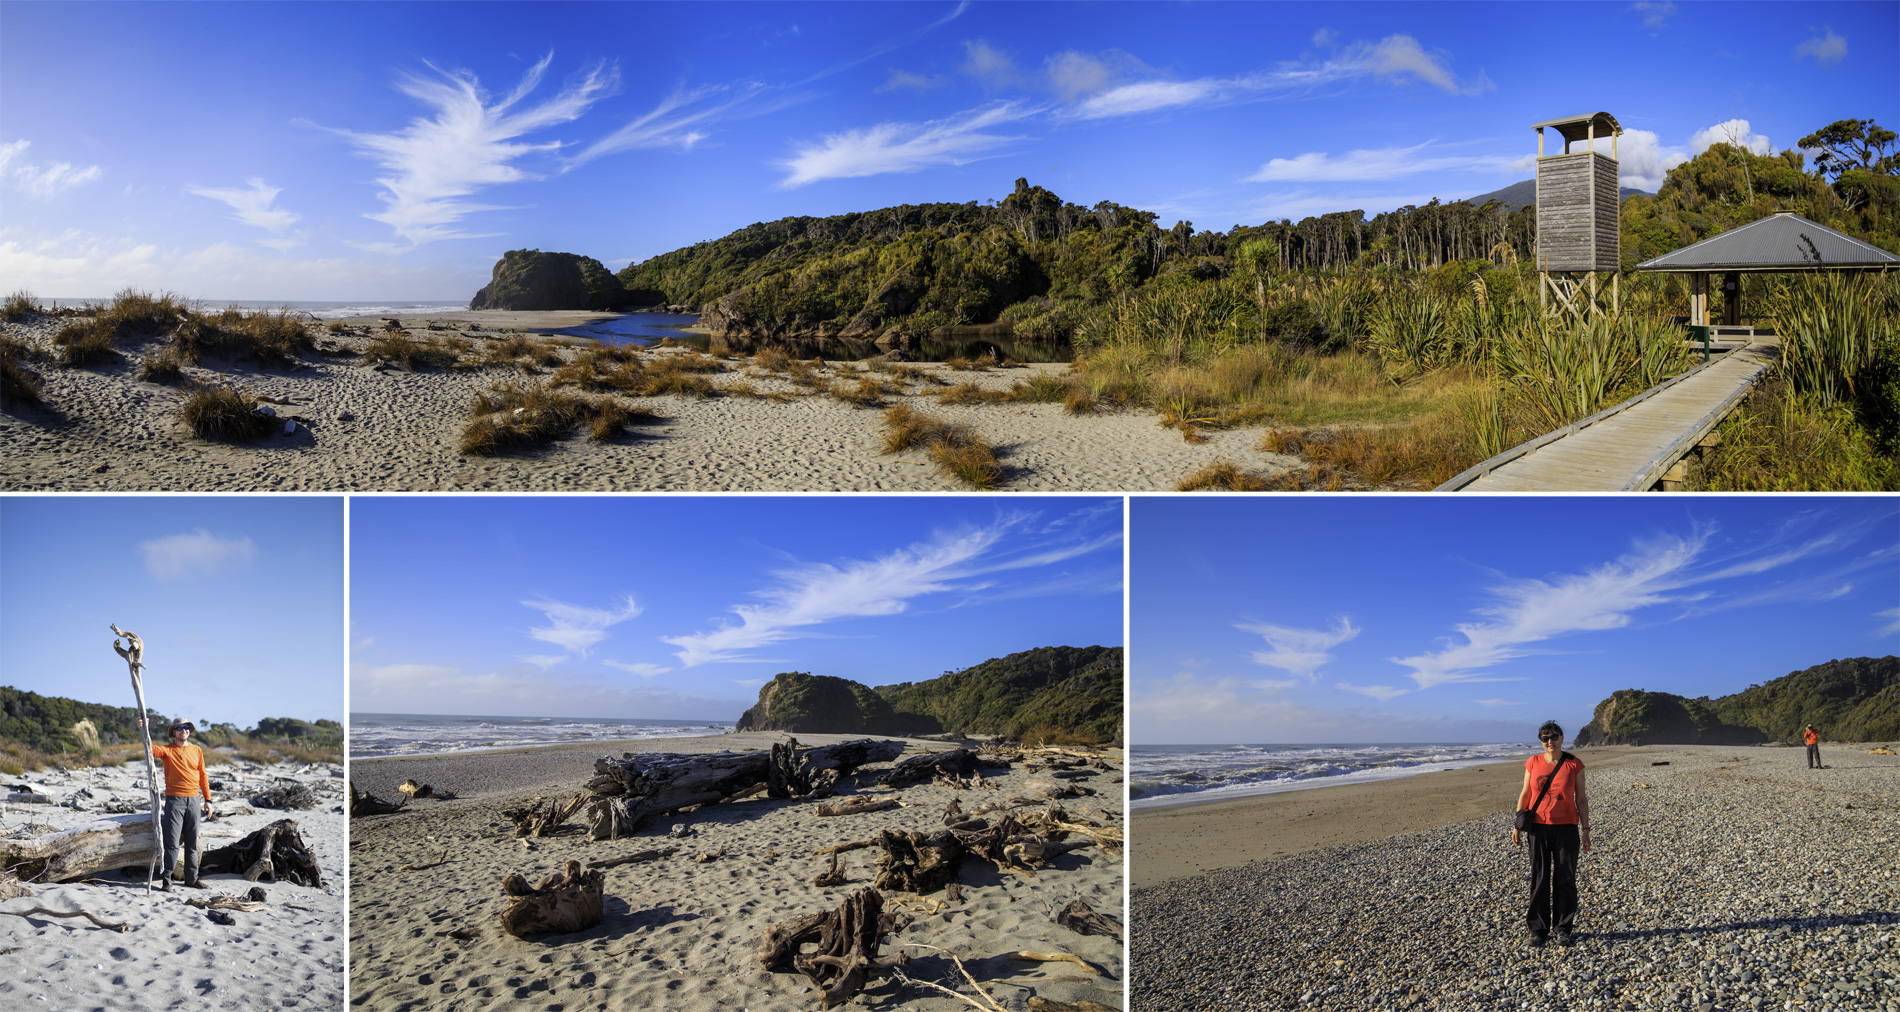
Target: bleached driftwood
(920,768)
(846,958)
(631,791)
(107,844)
(855,806)
(559,905)
(134,654)
(542,816)
(88,915)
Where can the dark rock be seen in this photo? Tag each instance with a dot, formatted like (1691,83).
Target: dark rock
(533,280)
(804,703)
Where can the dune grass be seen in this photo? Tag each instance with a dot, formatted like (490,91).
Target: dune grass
(162,366)
(509,418)
(19,305)
(864,393)
(1223,476)
(276,340)
(84,343)
(396,347)
(225,414)
(19,385)
(958,450)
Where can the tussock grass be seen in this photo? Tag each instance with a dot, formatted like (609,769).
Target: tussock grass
(225,414)
(958,450)
(775,360)
(19,385)
(133,313)
(971,392)
(864,393)
(396,347)
(1778,440)
(19,305)
(162,366)
(521,350)
(1056,735)
(746,389)
(1042,388)
(1414,454)
(1078,402)
(83,343)
(509,417)
(1223,475)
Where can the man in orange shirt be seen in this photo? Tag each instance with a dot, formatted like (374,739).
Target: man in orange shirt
(187,791)
(1813,738)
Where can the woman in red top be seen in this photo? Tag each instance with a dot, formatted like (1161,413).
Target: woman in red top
(1560,831)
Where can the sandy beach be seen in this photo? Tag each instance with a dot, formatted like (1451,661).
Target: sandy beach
(681,933)
(290,954)
(382,428)
(1721,878)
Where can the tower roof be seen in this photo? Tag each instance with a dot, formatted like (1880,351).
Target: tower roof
(1576,128)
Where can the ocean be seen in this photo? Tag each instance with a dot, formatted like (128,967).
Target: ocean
(374,735)
(320,310)
(1179,774)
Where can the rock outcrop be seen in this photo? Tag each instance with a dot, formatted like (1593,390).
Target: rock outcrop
(1851,699)
(531,279)
(804,703)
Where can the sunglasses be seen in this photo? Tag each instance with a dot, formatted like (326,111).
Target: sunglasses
(1550,737)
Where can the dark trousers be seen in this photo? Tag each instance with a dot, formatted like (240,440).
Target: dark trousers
(1814,757)
(1553,878)
(181,832)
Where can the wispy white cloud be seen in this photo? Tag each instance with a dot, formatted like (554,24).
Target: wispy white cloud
(253,207)
(1400,58)
(1375,163)
(972,561)
(679,120)
(641,669)
(905,147)
(991,67)
(1296,651)
(1892,619)
(199,554)
(1378,692)
(469,145)
(905,79)
(1827,49)
(42,181)
(576,628)
(1655,15)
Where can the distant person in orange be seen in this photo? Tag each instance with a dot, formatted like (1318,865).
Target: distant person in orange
(1560,831)
(187,792)
(1813,738)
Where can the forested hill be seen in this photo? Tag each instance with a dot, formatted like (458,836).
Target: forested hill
(1041,263)
(1077,690)
(52,724)
(1854,699)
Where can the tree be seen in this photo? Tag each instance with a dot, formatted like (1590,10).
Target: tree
(1853,144)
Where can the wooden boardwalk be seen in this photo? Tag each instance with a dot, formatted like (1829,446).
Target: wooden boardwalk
(1630,446)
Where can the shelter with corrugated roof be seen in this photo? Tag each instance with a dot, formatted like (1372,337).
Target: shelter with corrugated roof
(1783,243)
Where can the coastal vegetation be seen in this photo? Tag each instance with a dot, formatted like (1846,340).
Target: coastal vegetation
(1049,694)
(39,731)
(225,414)
(1851,699)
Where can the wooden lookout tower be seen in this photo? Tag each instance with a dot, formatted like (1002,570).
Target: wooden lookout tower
(1577,212)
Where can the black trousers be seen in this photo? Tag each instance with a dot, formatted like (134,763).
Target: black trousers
(1814,757)
(1553,878)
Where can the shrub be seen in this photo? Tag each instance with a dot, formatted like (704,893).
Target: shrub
(225,414)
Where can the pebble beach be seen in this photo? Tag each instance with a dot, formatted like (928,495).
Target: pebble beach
(365,426)
(1722,878)
(682,931)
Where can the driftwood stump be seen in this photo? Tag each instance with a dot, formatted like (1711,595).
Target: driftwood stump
(846,958)
(631,791)
(560,905)
(542,816)
(275,853)
(915,863)
(365,803)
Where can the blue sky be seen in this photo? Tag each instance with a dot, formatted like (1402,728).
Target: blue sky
(394,151)
(239,600)
(675,607)
(1385,619)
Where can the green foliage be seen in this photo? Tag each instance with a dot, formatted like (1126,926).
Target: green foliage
(1856,699)
(1076,688)
(1833,329)
(53,724)
(805,703)
(531,279)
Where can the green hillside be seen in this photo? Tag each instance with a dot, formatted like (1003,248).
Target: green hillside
(48,723)
(1856,699)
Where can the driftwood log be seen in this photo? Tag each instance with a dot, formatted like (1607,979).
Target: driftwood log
(107,844)
(560,905)
(855,806)
(922,768)
(365,803)
(631,791)
(846,958)
(1082,919)
(285,796)
(915,863)
(275,853)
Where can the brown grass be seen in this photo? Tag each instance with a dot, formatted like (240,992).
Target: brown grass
(18,305)
(971,392)
(18,384)
(162,366)
(83,343)
(1223,476)
(508,417)
(396,347)
(1056,735)
(225,414)
(865,393)
(957,449)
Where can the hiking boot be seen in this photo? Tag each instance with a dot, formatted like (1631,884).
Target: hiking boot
(1566,939)
(197,884)
(164,885)
(1538,939)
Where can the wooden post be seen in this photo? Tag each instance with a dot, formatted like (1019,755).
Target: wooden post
(1699,298)
(1616,291)
(1732,299)
(1593,292)
(134,652)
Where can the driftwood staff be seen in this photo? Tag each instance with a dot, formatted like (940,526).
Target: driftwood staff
(133,652)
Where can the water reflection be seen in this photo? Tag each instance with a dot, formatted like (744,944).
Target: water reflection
(651,328)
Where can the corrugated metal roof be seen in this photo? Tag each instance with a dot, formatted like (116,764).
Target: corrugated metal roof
(1576,128)
(1784,242)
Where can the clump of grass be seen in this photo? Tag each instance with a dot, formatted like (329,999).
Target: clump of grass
(1180,413)
(957,449)
(19,385)
(865,393)
(162,366)
(272,339)
(225,414)
(18,305)
(1414,454)
(1078,402)
(1779,441)
(521,351)
(1042,388)
(508,417)
(681,376)
(1223,475)
(132,313)
(338,327)
(396,347)
(971,392)
(83,343)
(773,359)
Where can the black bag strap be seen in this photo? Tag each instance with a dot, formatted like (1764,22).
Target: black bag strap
(1547,781)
